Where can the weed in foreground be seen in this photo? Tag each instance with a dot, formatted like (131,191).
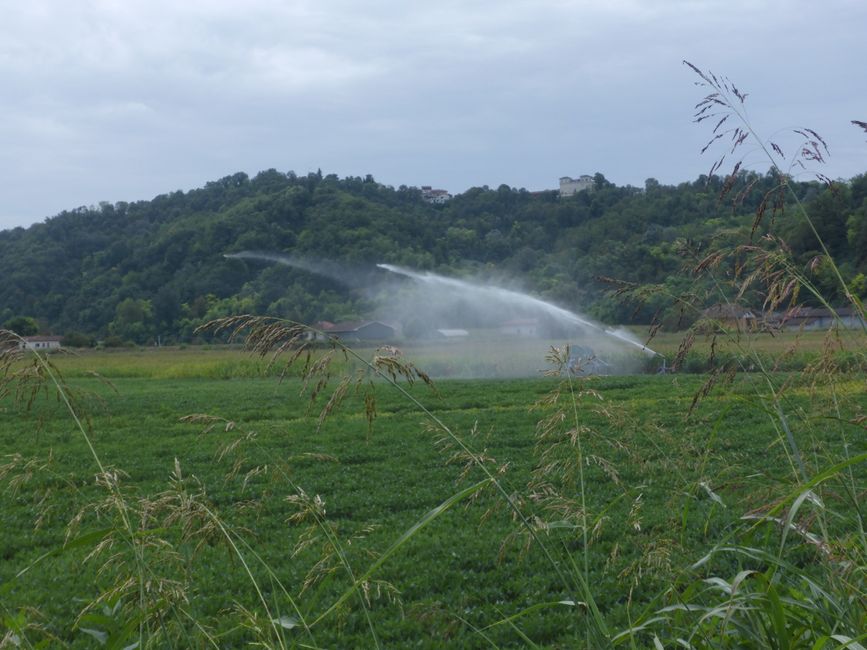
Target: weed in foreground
(792,575)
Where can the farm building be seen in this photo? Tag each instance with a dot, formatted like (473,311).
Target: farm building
(40,343)
(366,330)
(797,318)
(818,318)
(319,331)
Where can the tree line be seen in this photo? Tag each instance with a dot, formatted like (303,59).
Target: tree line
(155,270)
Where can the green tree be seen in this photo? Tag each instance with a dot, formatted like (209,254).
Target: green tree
(77,340)
(22,325)
(133,320)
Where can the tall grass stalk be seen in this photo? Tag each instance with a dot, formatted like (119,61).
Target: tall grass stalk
(772,601)
(272,337)
(9,344)
(725,100)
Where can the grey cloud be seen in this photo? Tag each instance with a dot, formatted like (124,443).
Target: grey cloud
(121,101)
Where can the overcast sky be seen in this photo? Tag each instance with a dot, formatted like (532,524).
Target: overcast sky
(123,100)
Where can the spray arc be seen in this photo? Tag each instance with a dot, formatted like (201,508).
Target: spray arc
(430,308)
(527,302)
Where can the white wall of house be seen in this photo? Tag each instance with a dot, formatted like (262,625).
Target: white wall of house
(36,343)
(570,186)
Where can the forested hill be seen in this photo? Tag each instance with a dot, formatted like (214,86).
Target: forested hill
(137,271)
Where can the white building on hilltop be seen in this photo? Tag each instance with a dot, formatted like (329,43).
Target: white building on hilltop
(434,196)
(571,186)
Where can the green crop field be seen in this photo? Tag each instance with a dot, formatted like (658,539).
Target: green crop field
(230,513)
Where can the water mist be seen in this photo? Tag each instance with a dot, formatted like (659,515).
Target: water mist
(462,328)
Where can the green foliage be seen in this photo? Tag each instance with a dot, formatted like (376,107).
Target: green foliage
(133,321)
(22,325)
(115,341)
(155,269)
(77,340)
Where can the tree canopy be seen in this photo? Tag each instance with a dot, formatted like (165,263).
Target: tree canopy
(157,268)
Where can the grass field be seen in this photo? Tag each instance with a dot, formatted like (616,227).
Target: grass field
(232,510)
(504,357)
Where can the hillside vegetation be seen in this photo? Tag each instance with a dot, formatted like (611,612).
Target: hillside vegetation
(139,271)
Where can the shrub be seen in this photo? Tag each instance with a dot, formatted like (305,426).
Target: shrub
(114,341)
(77,340)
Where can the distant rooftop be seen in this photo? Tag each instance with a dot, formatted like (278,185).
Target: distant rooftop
(432,195)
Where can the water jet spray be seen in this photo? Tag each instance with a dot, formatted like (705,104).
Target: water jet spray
(517,299)
(511,331)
